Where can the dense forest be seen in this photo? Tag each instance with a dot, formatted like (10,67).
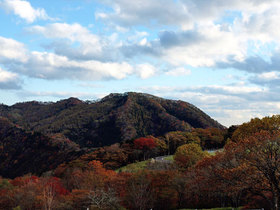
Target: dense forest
(116,117)
(52,156)
(60,132)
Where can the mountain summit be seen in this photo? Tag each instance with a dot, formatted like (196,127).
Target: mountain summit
(115,118)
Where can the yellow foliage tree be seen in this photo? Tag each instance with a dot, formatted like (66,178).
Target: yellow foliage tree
(188,155)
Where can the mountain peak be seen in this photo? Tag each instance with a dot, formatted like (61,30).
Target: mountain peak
(116,117)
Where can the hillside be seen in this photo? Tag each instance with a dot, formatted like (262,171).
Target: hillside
(36,137)
(24,152)
(115,118)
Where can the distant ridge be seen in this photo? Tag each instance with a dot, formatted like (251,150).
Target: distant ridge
(114,118)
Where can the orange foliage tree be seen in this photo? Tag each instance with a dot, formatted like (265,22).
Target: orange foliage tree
(261,154)
(248,167)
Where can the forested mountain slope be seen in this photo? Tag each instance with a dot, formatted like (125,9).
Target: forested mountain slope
(24,152)
(115,118)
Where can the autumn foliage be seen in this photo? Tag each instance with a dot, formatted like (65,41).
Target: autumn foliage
(245,173)
(188,155)
(144,144)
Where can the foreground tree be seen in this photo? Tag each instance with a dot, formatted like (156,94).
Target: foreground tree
(261,153)
(250,167)
(52,189)
(139,192)
(104,199)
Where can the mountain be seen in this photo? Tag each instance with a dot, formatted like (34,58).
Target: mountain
(36,137)
(24,152)
(115,118)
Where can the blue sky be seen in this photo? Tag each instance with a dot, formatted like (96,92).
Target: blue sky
(222,56)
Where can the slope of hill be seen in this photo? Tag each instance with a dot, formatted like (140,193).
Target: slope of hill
(115,118)
(24,152)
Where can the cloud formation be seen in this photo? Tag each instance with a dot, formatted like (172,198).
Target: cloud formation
(24,10)
(12,50)
(180,71)
(207,43)
(51,66)
(65,36)
(254,64)
(61,94)
(145,70)
(204,34)
(203,47)
(143,12)
(9,80)
(183,13)
(269,79)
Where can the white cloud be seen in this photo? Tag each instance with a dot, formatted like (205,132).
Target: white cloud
(9,80)
(12,50)
(61,94)
(212,41)
(205,47)
(76,41)
(183,13)
(137,35)
(6,76)
(269,75)
(144,12)
(206,32)
(24,10)
(52,66)
(180,71)
(268,79)
(232,90)
(145,70)
(230,117)
(74,32)
(260,24)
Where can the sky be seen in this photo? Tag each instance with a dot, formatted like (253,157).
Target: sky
(222,56)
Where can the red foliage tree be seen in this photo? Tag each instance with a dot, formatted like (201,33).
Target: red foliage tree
(144,144)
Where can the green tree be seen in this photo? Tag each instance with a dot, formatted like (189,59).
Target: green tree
(188,155)
(175,139)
